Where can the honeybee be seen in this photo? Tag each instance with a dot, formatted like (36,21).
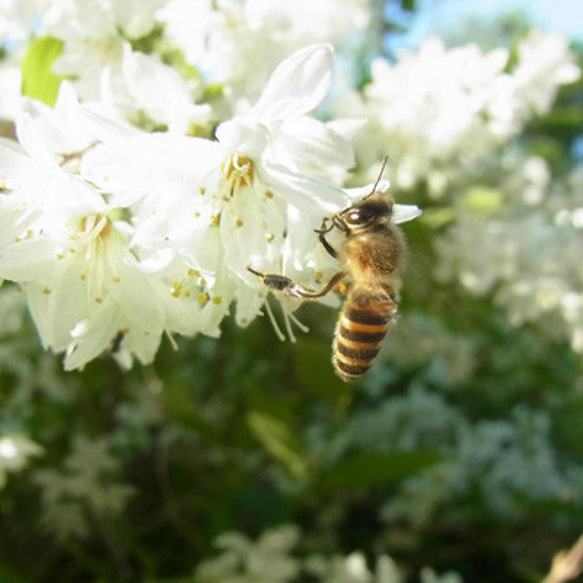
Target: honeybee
(372,255)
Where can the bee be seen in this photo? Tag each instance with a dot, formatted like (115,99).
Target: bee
(372,254)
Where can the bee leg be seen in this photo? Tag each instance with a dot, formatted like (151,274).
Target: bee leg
(309,294)
(283,284)
(327,246)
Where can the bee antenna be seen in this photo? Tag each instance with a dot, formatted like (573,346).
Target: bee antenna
(374,188)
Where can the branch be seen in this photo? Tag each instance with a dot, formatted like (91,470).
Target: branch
(566,564)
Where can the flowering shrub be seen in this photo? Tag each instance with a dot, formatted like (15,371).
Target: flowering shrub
(153,152)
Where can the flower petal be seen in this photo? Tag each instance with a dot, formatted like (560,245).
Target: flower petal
(298,84)
(405,212)
(308,194)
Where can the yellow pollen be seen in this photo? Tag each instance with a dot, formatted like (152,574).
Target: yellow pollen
(59,255)
(269,194)
(82,276)
(201,282)
(115,278)
(201,190)
(214,220)
(239,172)
(269,237)
(216,300)
(47,290)
(243,321)
(193,272)
(341,287)
(176,289)
(124,331)
(318,276)
(238,223)
(196,214)
(186,293)
(98,299)
(202,298)
(17,239)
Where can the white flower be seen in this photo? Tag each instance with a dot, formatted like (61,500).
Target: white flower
(66,242)
(243,561)
(253,197)
(87,481)
(105,69)
(17,17)
(434,108)
(239,43)
(353,569)
(15,451)
(544,63)
(438,113)
(10,81)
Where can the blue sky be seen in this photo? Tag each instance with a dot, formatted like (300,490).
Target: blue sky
(561,15)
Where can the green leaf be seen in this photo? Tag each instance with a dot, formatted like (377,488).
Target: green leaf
(371,468)
(7,574)
(278,439)
(436,218)
(38,79)
(484,200)
(315,371)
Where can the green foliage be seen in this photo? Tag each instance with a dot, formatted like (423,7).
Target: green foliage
(371,468)
(38,79)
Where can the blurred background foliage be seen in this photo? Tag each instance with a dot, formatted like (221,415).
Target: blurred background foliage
(462,449)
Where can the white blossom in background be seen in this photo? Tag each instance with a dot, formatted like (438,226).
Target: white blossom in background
(502,460)
(270,559)
(439,112)
(353,569)
(17,18)
(239,43)
(266,560)
(87,487)
(528,253)
(104,68)
(15,453)
(544,63)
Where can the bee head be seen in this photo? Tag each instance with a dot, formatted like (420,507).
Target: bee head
(375,209)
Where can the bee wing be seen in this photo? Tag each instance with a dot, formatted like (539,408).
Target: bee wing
(405,212)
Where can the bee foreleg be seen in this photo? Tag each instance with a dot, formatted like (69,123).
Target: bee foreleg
(327,246)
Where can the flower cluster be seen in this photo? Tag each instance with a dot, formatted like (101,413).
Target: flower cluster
(85,488)
(527,254)
(270,559)
(119,236)
(439,112)
(114,232)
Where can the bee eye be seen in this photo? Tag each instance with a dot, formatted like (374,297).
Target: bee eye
(358,217)
(353,217)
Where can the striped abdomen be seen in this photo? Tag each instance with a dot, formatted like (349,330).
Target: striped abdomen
(361,329)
